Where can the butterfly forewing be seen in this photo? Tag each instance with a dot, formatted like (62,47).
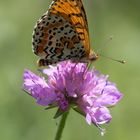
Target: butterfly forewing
(74,12)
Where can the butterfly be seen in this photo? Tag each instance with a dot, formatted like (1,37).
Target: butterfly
(62,34)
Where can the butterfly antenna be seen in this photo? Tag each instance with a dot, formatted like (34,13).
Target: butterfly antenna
(120,61)
(105,43)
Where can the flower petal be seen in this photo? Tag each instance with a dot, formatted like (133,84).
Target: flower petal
(38,88)
(110,96)
(98,115)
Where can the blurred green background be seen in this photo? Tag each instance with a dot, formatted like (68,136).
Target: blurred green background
(21,118)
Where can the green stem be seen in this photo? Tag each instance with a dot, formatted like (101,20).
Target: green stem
(61,126)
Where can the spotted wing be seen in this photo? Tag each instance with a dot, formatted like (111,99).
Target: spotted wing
(62,33)
(74,12)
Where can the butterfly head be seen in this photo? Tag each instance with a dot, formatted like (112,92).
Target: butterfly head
(93,56)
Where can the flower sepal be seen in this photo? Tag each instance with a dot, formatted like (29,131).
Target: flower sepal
(75,108)
(59,113)
(50,107)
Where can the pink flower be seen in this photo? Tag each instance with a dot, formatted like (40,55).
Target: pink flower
(73,85)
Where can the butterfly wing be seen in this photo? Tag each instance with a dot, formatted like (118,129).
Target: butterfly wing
(62,33)
(74,12)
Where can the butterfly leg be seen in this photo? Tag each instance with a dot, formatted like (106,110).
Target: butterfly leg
(89,65)
(74,66)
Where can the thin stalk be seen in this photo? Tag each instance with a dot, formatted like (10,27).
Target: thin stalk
(61,126)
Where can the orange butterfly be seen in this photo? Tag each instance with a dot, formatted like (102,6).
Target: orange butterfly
(62,34)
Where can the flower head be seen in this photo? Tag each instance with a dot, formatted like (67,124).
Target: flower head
(73,85)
